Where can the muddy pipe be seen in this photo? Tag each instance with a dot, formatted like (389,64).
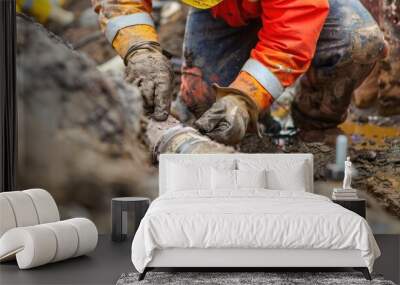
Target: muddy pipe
(171,136)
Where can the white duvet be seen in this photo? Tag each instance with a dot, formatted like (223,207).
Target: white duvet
(250,219)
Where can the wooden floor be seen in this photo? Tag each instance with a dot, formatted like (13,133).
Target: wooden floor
(110,260)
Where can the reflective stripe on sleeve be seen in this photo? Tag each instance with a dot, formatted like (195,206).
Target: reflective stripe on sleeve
(264,76)
(117,23)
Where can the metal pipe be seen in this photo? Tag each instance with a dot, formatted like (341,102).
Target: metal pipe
(171,136)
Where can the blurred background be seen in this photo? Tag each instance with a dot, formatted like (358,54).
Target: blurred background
(81,128)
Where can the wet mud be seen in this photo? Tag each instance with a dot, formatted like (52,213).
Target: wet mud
(377,164)
(382,90)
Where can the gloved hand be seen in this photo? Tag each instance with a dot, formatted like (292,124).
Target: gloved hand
(152,72)
(229,118)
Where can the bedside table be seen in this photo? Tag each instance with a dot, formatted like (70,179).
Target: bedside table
(126,214)
(357,206)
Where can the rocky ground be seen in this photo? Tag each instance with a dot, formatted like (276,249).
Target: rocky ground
(374,140)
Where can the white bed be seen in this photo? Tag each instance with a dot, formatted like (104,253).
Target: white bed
(248,227)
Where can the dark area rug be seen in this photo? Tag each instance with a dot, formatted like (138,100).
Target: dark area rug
(273,278)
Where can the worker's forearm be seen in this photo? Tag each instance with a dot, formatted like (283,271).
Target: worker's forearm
(129,36)
(252,88)
(125,23)
(287,44)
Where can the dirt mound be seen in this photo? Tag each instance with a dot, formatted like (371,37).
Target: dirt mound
(78,130)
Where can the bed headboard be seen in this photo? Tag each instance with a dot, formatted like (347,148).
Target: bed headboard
(209,158)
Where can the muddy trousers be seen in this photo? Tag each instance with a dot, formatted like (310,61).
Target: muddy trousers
(349,46)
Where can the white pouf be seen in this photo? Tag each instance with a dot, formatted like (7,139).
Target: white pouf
(31,230)
(7,220)
(87,233)
(32,246)
(23,208)
(66,237)
(40,244)
(45,205)
(26,208)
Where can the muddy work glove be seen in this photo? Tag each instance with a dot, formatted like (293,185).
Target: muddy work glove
(149,69)
(228,120)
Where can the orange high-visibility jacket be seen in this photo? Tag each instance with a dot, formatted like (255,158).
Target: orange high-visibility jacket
(287,39)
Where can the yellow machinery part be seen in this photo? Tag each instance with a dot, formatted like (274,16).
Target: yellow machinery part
(40,9)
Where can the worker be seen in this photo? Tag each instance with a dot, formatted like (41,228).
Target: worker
(239,56)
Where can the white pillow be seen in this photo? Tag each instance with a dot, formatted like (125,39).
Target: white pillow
(223,179)
(251,178)
(186,174)
(292,178)
(288,174)
(183,178)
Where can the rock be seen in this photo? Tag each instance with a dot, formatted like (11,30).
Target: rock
(325,148)
(366,155)
(363,119)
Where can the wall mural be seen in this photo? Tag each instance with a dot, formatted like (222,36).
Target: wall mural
(85,137)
